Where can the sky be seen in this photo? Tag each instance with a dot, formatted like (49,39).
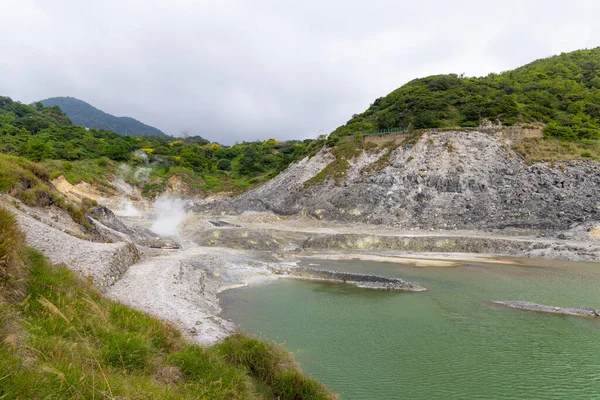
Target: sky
(243,70)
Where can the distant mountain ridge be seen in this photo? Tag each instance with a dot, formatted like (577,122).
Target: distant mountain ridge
(84,114)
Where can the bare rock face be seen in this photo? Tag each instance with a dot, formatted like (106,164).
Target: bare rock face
(109,225)
(462,180)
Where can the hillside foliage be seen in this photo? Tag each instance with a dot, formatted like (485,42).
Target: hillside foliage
(84,114)
(562,91)
(45,134)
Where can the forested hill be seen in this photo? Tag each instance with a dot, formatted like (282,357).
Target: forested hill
(562,91)
(84,114)
(46,135)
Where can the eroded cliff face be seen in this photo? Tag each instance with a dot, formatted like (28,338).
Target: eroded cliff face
(463,180)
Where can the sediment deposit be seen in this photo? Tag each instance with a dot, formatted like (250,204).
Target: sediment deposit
(529,306)
(360,280)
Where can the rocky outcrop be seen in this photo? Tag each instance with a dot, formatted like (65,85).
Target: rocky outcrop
(448,180)
(102,263)
(529,306)
(360,280)
(104,216)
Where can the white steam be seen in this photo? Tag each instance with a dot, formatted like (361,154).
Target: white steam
(128,208)
(169,212)
(123,187)
(141,154)
(142,173)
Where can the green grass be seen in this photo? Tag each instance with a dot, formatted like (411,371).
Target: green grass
(61,339)
(13,270)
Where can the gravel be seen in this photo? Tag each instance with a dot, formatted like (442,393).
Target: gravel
(182,288)
(104,263)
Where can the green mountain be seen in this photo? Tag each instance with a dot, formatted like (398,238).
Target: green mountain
(562,91)
(84,114)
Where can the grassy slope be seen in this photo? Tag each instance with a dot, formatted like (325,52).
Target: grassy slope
(29,182)
(59,338)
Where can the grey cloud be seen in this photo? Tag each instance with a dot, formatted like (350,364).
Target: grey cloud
(234,70)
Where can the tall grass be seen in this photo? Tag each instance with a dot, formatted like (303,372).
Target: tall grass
(13,270)
(273,367)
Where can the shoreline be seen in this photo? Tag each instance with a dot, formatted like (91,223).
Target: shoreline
(182,286)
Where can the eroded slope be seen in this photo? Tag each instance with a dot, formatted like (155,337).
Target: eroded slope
(464,180)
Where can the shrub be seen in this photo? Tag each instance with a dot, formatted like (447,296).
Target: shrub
(560,132)
(224,164)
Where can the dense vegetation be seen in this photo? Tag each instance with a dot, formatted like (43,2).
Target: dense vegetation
(60,339)
(84,114)
(563,92)
(44,134)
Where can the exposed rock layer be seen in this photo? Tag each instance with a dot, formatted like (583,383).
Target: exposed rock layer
(464,180)
(281,241)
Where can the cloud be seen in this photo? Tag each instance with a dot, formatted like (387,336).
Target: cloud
(234,70)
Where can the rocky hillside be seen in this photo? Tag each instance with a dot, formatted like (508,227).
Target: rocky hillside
(445,180)
(450,171)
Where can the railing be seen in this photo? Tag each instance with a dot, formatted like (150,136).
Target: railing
(392,131)
(383,131)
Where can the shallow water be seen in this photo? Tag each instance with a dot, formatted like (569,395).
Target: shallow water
(446,343)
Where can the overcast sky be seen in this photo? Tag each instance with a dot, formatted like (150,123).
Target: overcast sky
(234,70)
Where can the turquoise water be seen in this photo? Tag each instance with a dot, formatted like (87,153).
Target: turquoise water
(446,343)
